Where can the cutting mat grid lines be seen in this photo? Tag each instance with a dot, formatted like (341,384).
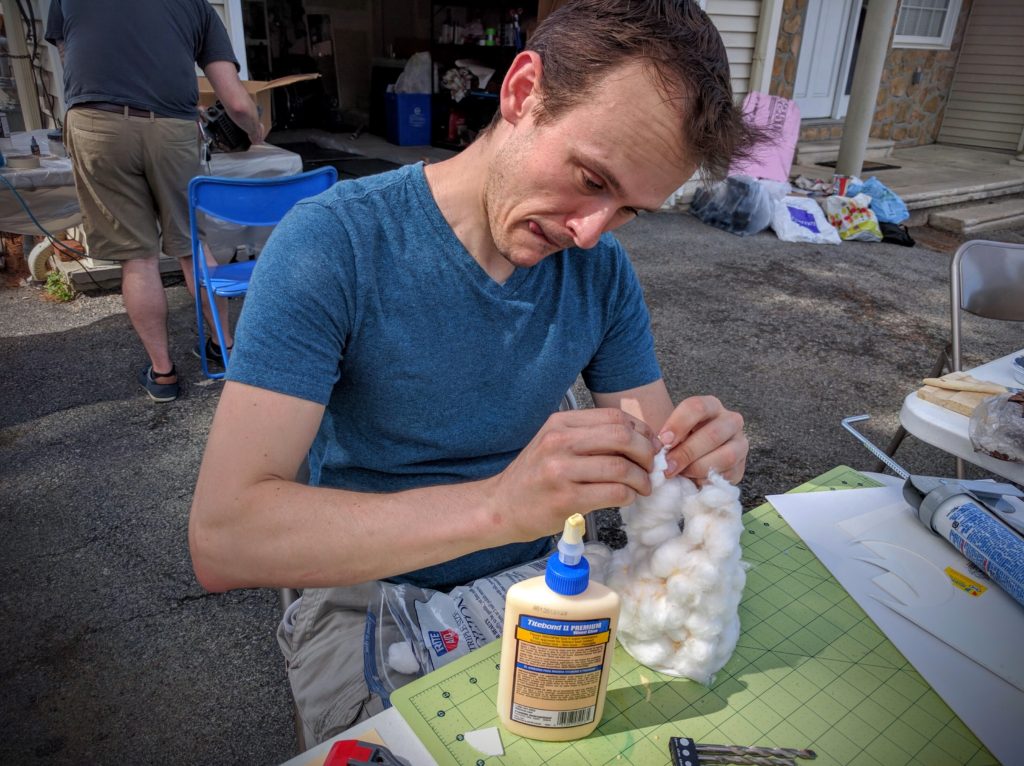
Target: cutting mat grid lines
(810,670)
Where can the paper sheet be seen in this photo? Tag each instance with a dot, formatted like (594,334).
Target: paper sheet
(992,707)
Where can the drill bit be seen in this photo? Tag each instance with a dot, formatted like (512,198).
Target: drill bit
(784,752)
(685,752)
(750,760)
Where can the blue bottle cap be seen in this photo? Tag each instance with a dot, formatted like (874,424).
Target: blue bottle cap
(567,579)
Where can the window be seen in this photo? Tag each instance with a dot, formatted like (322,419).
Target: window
(926,23)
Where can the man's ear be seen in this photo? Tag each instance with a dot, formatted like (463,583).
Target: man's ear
(520,90)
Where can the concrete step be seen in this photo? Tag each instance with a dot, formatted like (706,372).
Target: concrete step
(813,152)
(93,274)
(977,218)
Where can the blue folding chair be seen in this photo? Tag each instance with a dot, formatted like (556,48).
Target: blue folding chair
(248,202)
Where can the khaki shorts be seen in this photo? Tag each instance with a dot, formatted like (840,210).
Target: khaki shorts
(322,641)
(132,177)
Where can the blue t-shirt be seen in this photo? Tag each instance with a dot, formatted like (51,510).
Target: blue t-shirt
(364,300)
(141,53)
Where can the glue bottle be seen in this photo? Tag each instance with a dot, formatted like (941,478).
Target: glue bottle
(557,646)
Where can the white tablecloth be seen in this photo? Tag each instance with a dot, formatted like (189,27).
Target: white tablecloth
(49,190)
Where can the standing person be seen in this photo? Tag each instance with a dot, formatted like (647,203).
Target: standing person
(134,140)
(413,332)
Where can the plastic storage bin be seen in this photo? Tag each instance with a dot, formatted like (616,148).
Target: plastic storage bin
(408,116)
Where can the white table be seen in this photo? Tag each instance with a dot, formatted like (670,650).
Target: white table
(49,190)
(947,430)
(392,729)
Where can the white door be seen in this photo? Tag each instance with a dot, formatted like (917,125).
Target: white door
(825,52)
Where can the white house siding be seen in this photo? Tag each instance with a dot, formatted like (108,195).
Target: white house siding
(986,105)
(230,12)
(737,22)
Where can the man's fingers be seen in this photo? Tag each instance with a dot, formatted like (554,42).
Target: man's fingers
(597,416)
(706,439)
(729,460)
(690,413)
(610,431)
(612,469)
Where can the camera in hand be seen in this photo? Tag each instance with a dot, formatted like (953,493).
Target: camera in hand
(226,135)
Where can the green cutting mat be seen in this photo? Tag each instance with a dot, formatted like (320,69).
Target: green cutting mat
(810,670)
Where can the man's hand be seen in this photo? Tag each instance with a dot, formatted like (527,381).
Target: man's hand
(701,434)
(579,461)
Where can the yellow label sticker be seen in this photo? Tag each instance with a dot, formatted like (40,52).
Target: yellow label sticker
(966,584)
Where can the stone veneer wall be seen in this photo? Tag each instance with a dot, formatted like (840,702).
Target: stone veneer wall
(907,114)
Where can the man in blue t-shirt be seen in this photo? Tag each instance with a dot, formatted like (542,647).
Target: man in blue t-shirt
(412,334)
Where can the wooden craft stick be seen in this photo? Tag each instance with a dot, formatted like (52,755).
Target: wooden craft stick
(977,386)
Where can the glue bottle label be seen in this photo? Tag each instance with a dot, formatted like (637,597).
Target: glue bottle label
(558,669)
(986,542)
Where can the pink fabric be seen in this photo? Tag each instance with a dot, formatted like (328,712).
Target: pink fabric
(772,158)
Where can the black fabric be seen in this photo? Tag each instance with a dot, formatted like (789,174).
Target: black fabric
(896,234)
(137,52)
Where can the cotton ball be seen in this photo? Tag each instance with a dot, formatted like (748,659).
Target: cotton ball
(668,558)
(402,660)
(696,528)
(660,609)
(653,654)
(658,472)
(719,543)
(599,556)
(669,496)
(700,625)
(659,534)
(704,573)
(681,589)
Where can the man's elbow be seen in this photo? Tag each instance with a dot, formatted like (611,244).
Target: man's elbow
(207,561)
(239,104)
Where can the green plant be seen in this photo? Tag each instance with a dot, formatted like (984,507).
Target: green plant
(58,287)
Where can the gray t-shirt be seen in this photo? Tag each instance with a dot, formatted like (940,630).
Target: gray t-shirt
(137,52)
(365,301)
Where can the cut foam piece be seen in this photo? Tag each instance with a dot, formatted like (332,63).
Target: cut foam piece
(487,741)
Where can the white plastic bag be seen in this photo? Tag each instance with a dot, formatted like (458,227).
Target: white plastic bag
(800,219)
(417,76)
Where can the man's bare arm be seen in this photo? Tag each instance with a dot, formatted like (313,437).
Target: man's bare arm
(252,525)
(236,99)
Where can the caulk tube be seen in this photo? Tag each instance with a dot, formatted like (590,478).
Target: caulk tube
(986,541)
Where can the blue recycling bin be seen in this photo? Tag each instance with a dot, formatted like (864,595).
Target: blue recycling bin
(408,116)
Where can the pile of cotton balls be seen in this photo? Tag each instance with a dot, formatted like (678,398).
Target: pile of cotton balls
(681,591)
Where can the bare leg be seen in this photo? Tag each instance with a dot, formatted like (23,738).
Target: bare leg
(142,292)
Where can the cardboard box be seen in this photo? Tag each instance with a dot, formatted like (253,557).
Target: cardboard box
(260,92)
(408,116)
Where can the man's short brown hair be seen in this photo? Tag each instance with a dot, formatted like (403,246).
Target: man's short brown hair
(583,41)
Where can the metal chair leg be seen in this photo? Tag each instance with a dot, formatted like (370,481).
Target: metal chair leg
(894,444)
(944,362)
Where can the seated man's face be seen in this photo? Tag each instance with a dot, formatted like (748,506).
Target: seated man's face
(564,183)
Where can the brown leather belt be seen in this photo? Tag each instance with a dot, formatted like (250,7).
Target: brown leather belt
(128,111)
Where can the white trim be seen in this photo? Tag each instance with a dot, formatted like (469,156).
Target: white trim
(942,42)
(764,49)
(233,10)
